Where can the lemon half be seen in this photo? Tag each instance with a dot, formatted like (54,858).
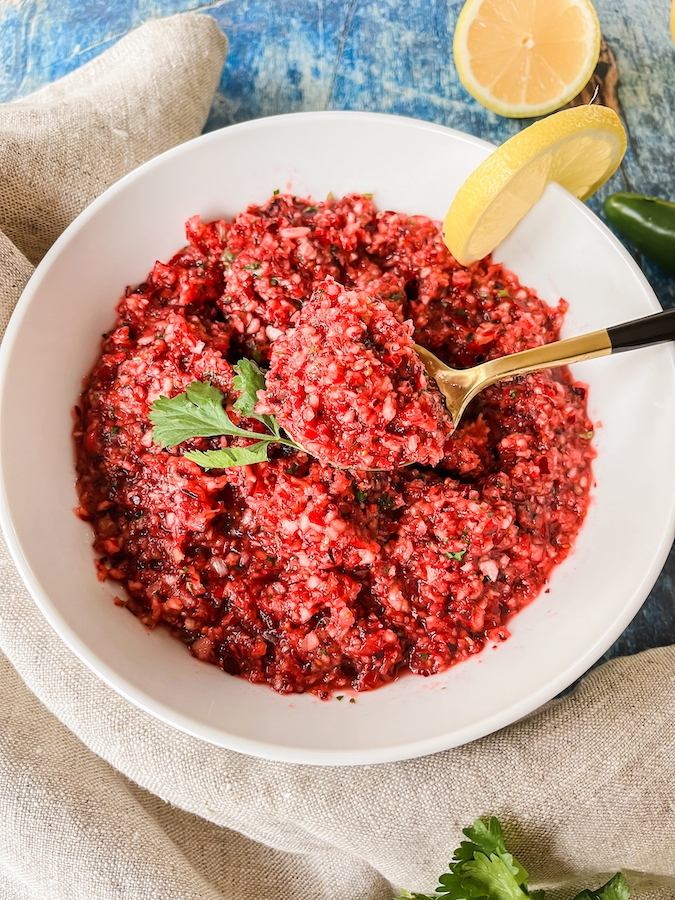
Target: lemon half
(526,57)
(578,148)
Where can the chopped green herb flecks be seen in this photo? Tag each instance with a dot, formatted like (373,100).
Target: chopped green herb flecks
(458,555)
(386,502)
(359,495)
(198,412)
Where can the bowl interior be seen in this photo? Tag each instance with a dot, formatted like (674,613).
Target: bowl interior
(560,248)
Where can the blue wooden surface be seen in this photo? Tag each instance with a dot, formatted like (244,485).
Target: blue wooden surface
(390,56)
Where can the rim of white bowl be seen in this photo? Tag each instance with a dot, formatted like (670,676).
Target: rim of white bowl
(269,750)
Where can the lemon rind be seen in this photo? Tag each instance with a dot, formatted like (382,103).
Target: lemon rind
(494,174)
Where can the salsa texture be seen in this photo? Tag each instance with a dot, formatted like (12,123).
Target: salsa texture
(299,574)
(347,384)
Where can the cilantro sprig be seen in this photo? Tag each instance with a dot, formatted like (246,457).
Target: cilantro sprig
(483,869)
(199,412)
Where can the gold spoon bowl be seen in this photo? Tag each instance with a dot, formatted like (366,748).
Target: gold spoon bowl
(460,386)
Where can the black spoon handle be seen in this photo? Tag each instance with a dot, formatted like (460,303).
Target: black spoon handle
(642,332)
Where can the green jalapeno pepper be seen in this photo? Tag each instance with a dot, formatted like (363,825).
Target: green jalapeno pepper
(648,223)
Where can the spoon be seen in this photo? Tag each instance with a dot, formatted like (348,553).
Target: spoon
(460,386)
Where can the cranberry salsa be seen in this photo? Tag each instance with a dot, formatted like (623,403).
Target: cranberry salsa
(399,545)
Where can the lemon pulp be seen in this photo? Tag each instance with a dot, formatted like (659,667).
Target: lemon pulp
(526,57)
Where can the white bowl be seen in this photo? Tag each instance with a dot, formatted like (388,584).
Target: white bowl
(560,248)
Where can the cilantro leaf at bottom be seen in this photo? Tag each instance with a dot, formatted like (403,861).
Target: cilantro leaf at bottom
(406,895)
(488,878)
(488,838)
(615,889)
(229,456)
(483,869)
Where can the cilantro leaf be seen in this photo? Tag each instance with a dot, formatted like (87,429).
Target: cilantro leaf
(198,412)
(483,869)
(458,888)
(230,456)
(250,379)
(488,838)
(406,895)
(493,878)
(615,889)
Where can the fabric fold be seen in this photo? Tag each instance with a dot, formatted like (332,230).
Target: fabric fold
(15,272)
(100,800)
(63,145)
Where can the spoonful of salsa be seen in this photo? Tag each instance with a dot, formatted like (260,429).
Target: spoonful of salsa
(351,386)
(348,385)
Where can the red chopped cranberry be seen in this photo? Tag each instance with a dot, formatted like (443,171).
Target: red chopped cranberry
(300,575)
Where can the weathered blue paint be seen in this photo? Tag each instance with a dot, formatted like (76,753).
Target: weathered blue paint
(382,55)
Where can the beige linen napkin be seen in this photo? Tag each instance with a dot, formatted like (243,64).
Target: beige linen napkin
(99,800)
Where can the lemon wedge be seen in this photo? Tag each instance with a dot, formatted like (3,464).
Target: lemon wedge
(526,57)
(578,148)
